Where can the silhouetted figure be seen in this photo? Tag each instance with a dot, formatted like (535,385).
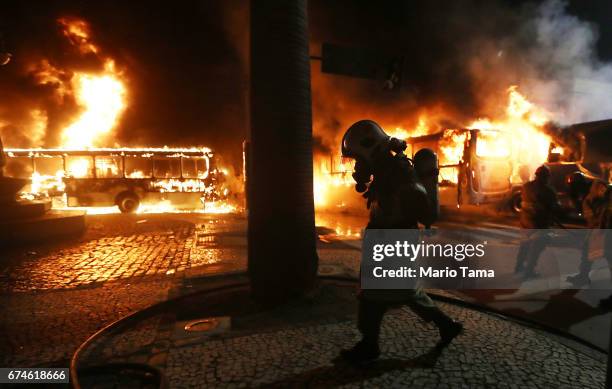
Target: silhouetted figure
(539,209)
(396,201)
(591,197)
(606,304)
(605,223)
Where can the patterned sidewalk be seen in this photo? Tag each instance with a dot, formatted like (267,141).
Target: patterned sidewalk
(296,346)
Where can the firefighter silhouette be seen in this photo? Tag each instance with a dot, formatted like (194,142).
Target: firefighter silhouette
(594,198)
(539,210)
(396,199)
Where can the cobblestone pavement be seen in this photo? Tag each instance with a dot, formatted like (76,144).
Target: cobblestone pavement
(54,295)
(297,346)
(45,329)
(124,246)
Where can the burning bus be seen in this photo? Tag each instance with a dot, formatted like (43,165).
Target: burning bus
(186,178)
(475,168)
(475,165)
(483,161)
(581,147)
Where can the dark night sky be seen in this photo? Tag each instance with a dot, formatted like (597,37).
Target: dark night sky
(184,59)
(600,13)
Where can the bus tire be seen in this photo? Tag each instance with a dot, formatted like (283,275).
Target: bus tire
(128,202)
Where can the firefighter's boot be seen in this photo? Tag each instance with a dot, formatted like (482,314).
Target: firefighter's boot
(362,353)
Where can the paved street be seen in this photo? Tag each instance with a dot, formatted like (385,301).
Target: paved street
(55,295)
(118,247)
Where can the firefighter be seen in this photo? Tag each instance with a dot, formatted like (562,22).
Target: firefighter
(606,223)
(396,200)
(539,209)
(589,196)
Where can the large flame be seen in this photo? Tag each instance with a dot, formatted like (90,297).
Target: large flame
(331,176)
(517,135)
(525,142)
(103,98)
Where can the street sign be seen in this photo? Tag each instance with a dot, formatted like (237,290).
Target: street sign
(363,63)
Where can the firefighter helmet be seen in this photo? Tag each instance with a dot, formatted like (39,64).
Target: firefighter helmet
(363,139)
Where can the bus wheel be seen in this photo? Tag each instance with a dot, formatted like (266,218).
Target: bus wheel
(128,202)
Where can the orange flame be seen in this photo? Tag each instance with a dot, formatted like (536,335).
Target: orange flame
(518,135)
(103,98)
(78,33)
(525,143)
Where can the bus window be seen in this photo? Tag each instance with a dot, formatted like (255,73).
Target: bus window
(79,166)
(108,167)
(195,168)
(449,175)
(19,167)
(48,166)
(451,147)
(190,167)
(167,168)
(493,144)
(203,167)
(138,167)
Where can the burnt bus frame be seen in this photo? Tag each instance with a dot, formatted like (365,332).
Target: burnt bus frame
(465,166)
(139,186)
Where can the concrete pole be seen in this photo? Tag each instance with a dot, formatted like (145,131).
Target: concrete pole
(282,243)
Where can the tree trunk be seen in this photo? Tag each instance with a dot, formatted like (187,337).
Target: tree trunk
(282,244)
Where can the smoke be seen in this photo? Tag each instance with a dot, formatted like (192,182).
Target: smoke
(462,58)
(186,67)
(569,77)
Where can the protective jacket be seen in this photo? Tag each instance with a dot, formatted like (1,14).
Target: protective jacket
(539,205)
(395,197)
(595,204)
(397,201)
